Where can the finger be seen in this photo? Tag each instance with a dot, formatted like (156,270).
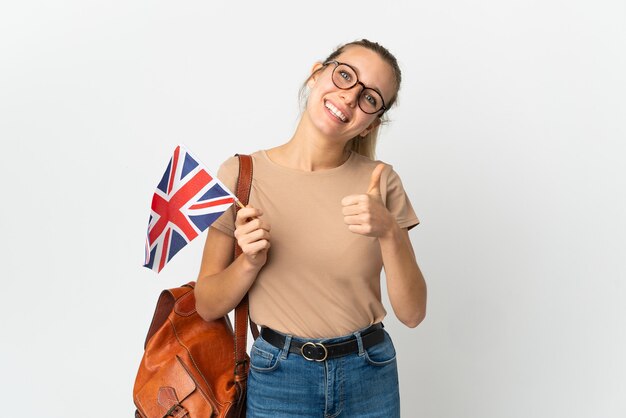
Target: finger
(360,229)
(251,225)
(374,188)
(351,210)
(245,226)
(256,247)
(360,219)
(256,235)
(354,199)
(247,213)
(355,220)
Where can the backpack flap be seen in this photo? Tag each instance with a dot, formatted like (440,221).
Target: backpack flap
(166,392)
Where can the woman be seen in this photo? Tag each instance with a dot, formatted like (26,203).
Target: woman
(322,221)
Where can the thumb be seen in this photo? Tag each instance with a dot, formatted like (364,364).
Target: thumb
(374,187)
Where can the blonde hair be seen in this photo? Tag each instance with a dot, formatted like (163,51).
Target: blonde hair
(364,145)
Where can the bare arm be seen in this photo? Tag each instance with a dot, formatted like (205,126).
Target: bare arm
(222,282)
(406,286)
(366,214)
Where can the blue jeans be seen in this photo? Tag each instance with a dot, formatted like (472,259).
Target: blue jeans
(284,384)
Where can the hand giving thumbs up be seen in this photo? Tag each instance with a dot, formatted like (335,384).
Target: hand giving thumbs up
(366,214)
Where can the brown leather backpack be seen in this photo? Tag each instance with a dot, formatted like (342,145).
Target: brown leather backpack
(192,368)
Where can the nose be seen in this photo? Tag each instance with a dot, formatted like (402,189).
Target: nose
(351,95)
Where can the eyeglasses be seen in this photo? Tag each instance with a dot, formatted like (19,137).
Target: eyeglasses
(344,77)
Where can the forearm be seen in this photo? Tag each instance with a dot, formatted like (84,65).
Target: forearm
(406,286)
(220,293)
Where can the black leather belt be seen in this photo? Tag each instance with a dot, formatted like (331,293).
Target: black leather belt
(321,351)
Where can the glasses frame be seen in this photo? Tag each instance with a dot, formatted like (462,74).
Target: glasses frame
(337,64)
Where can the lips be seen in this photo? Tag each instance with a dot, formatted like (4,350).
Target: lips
(336,111)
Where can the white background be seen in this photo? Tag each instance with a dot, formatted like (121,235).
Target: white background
(509,137)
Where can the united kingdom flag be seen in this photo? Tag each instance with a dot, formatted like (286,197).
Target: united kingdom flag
(187,200)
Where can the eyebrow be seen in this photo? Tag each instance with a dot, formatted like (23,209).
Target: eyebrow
(357,74)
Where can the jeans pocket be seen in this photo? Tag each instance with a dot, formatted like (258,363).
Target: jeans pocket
(264,357)
(381,354)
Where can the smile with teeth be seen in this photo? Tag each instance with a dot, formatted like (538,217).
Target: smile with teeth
(335,111)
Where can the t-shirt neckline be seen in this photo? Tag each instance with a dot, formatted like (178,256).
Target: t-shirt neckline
(295,171)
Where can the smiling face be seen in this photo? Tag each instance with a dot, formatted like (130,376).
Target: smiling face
(335,112)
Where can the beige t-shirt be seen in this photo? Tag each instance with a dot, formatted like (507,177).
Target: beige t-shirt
(320,279)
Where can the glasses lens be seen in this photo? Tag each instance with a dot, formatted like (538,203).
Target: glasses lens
(370,101)
(344,77)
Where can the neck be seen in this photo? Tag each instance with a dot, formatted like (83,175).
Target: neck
(309,150)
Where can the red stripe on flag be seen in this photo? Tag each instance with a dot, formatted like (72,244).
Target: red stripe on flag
(166,242)
(213,203)
(184,195)
(161,207)
(173,170)
(170,211)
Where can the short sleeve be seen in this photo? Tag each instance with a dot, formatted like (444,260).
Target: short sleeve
(227,173)
(398,202)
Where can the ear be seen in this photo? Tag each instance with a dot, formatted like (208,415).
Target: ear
(371,127)
(315,72)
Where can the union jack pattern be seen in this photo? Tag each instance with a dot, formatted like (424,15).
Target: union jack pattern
(187,200)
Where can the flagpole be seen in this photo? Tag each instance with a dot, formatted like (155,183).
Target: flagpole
(241,206)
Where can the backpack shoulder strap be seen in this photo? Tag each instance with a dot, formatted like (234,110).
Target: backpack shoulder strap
(244,184)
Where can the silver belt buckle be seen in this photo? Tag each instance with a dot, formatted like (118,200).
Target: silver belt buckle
(314,345)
